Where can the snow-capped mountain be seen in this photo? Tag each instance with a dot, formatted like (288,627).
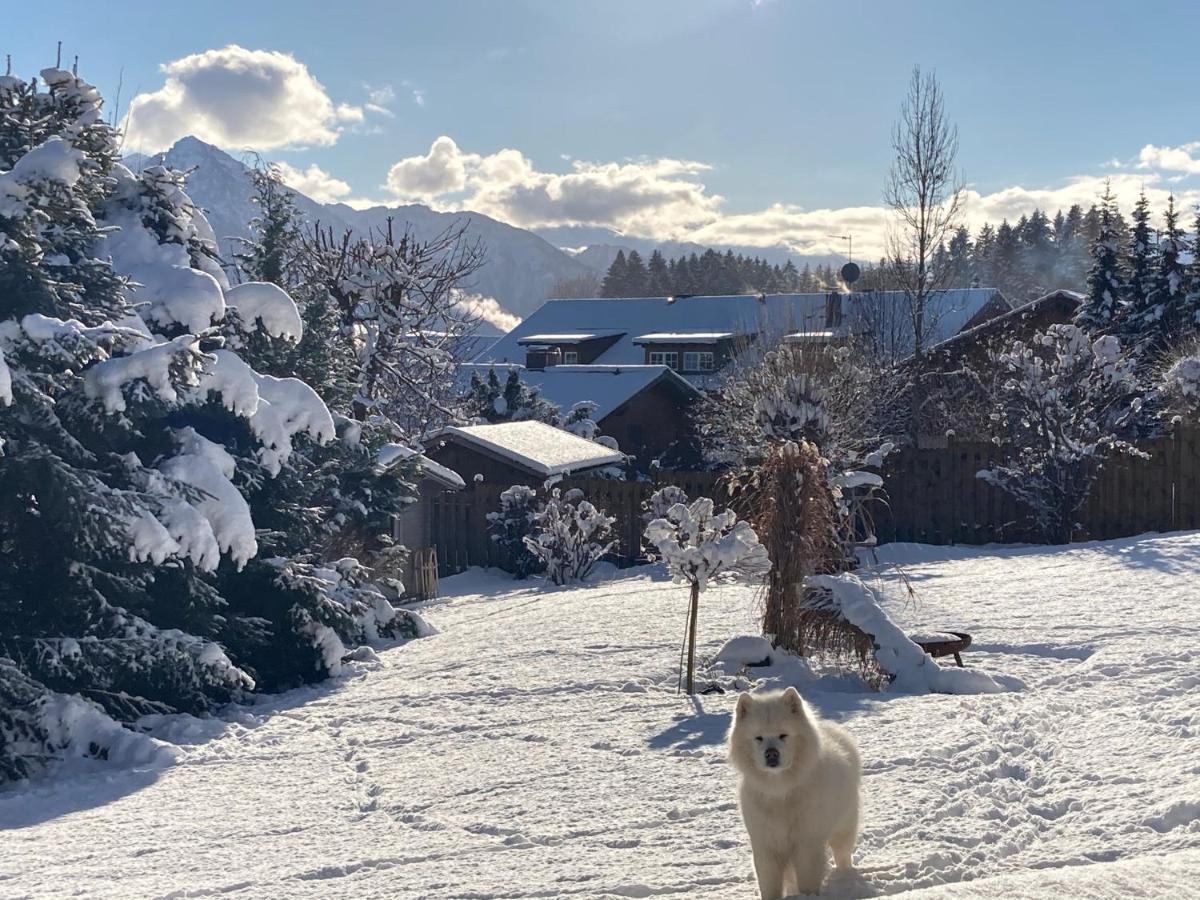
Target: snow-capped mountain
(520,271)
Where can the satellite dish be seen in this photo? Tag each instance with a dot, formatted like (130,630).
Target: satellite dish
(850,273)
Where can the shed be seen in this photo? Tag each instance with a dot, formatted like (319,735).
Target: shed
(510,453)
(411,526)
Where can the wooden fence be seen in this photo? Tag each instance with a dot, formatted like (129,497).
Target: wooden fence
(458,521)
(933,496)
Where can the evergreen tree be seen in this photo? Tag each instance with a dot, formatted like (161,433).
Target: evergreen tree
(636,277)
(1165,319)
(274,238)
(1106,279)
(130,574)
(1141,271)
(659,276)
(616,279)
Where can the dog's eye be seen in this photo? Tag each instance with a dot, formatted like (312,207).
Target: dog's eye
(782,736)
(759,738)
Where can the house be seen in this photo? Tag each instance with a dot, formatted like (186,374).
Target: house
(973,345)
(518,453)
(699,336)
(642,408)
(411,528)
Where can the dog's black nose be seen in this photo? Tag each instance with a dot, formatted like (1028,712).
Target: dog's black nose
(772,757)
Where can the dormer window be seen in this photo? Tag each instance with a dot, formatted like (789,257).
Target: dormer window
(701,361)
(665,358)
(570,357)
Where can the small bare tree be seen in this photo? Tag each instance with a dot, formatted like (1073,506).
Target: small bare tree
(400,299)
(925,190)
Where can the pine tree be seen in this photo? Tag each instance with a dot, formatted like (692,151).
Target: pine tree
(267,254)
(131,454)
(1106,280)
(636,277)
(659,276)
(1165,319)
(617,278)
(1141,271)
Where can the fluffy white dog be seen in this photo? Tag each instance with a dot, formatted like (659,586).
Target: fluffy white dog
(799,790)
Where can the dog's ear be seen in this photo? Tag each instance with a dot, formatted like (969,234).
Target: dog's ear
(743,706)
(795,705)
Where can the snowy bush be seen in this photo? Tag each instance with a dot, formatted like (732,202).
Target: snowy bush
(699,546)
(1066,403)
(512,524)
(570,536)
(661,501)
(581,420)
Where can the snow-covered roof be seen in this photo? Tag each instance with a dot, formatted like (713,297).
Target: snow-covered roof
(390,454)
(800,337)
(1068,299)
(566,337)
(606,386)
(684,337)
(773,314)
(538,447)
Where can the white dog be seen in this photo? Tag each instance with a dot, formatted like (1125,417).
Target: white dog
(799,790)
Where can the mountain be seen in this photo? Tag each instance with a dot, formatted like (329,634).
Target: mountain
(597,247)
(520,271)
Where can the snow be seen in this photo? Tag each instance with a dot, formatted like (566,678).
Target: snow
(277,409)
(684,337)
(538,447)
(566,337)
(607,386)
(54,161)
(6,394)
(104,381)
(269,305)
(224,517)
(536,748)
(390,454)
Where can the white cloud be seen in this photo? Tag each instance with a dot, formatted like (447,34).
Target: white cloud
(314,182)
(443,170)
(663,199)
(489,310)
(1170,159)
(235,98)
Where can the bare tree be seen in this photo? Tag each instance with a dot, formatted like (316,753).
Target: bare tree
(401,302)
(925,190)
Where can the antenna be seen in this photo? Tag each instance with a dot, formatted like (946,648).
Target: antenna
(75,66)
(58,58)
(7,63)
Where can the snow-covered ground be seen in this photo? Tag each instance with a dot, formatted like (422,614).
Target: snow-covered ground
(536,748)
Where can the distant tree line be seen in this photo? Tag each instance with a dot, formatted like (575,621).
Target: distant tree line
(710,273)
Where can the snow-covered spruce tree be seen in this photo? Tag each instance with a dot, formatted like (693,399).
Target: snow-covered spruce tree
(401,303)
(511,524)
(1167,318)
(1068,402)
(1141,275)
(487,401)
(1106,281)
(128,440)
(700,546)
(269,253)
(570,536)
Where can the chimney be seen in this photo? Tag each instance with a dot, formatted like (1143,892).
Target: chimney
(833,310)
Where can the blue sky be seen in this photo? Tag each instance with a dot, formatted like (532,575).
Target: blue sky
(715,119)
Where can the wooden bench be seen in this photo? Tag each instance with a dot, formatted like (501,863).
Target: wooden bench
(945,646)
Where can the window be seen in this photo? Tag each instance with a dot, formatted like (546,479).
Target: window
(664,358)
(570,357)
(698,362)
